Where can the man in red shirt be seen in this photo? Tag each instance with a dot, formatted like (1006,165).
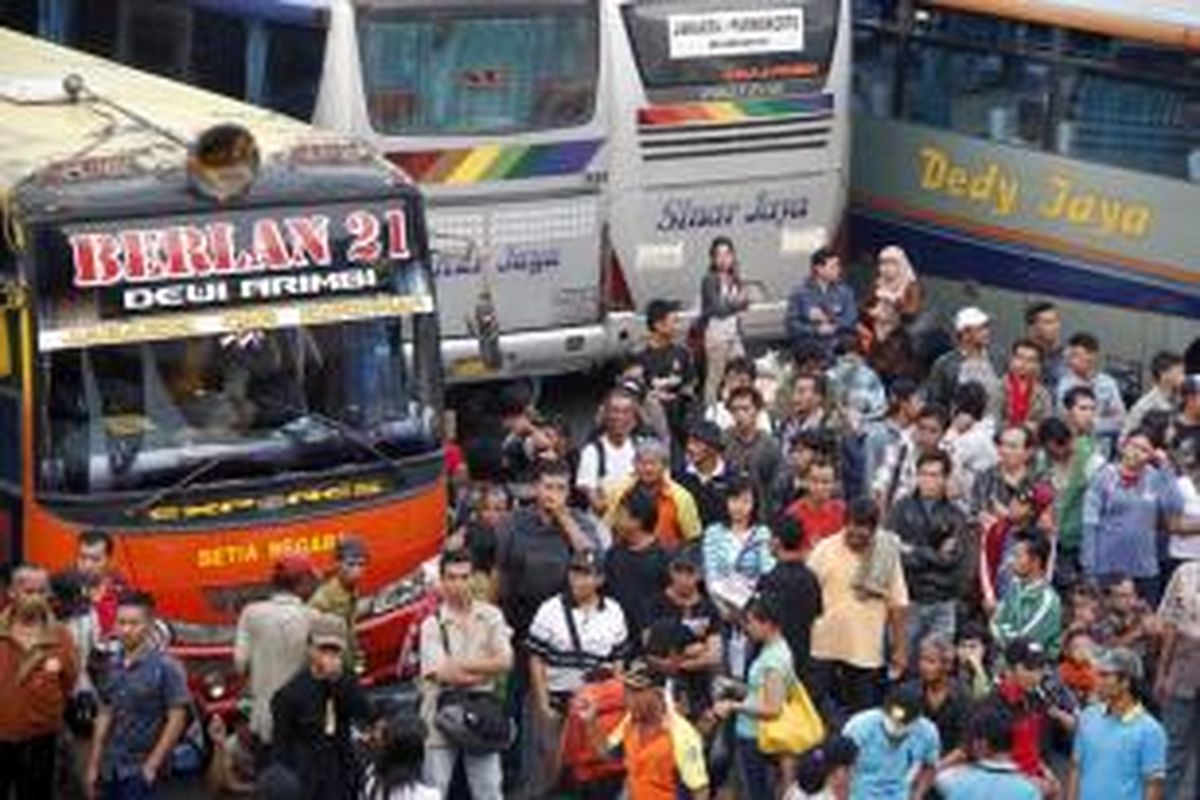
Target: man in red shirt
(93,560)
(1020,690)
(819,513)
(1022,399)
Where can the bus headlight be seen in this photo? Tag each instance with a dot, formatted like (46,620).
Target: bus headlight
(185,633)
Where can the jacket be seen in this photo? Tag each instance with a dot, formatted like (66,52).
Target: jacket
(836,301)
(1030,610)
(715,305)
(933,569)
(687,518)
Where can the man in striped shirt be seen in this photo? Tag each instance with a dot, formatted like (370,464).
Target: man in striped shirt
(573,636)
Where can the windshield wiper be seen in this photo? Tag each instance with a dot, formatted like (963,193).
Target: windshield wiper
(347,433)
(206,466)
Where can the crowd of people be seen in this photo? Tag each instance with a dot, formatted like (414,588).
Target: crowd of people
(873,568)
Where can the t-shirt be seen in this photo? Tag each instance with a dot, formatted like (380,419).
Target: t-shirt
(1181,608)
(617,463)
(701,620)
(532,557)
(986,780)
(650,765)
(850,628)
(603,640)
(885,767)
(1116,756)
(634,579)
(775,658)
(818,523)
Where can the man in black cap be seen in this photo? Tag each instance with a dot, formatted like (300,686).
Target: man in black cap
(704,473)
(667,366)
(338,595)
(312,715)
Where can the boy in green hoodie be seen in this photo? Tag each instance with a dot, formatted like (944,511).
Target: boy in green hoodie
(1030,608)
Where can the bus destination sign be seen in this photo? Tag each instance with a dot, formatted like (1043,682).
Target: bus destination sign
(182,264)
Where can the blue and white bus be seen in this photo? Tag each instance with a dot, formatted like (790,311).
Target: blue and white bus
(1040,149)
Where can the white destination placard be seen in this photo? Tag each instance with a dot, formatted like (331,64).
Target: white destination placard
(736,33)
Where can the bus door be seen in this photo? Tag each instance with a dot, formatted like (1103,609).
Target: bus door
(729,119)
(492,108)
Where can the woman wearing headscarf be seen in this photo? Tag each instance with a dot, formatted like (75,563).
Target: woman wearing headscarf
(896,283)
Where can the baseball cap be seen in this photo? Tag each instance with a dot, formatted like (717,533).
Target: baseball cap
(1121,661)
(970,317)
(350,548)
(1025,653)
(633,386)
(293,566)
(706,431)
(818,763)
(1191,384)
(641,675)
(686,557)
(327,631)
(586,560)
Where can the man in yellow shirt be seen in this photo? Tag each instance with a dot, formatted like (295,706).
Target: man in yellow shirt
(862,592)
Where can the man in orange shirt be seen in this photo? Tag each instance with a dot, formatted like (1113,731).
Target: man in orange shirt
(661,751)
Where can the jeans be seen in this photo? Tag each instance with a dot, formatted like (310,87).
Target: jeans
(927,619)
(27,767)
(841,690)
(1181,718)
(484,775)
(754,769)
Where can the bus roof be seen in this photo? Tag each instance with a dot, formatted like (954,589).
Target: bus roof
(1173,23)
(41,129)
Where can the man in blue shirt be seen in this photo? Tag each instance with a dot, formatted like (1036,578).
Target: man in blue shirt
(823,307)
(1120,750)
(897,749)
(993,775)
(143,709)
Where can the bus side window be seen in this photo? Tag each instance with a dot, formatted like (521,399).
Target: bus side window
(962,83)
(218,53)
(291,68)
(154,36)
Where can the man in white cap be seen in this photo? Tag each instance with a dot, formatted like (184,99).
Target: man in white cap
(969,361)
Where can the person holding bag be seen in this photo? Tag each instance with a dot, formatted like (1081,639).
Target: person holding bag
(776,721)
(723,298)
(465,646)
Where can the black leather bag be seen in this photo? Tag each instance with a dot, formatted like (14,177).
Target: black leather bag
(472,720)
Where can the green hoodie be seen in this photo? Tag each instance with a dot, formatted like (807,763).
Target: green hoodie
(1030,610)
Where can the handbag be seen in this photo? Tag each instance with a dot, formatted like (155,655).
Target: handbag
(797,729)
(472,720)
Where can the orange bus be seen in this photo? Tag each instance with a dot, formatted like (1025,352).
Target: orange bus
(218,342)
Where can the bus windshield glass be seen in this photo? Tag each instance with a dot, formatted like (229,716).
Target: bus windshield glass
(682,44)
(147,381)
(485,69)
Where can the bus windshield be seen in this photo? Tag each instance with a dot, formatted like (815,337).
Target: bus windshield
(685,43)
(485,69)
(144,416)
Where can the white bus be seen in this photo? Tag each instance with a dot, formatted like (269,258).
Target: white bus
(578,155)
